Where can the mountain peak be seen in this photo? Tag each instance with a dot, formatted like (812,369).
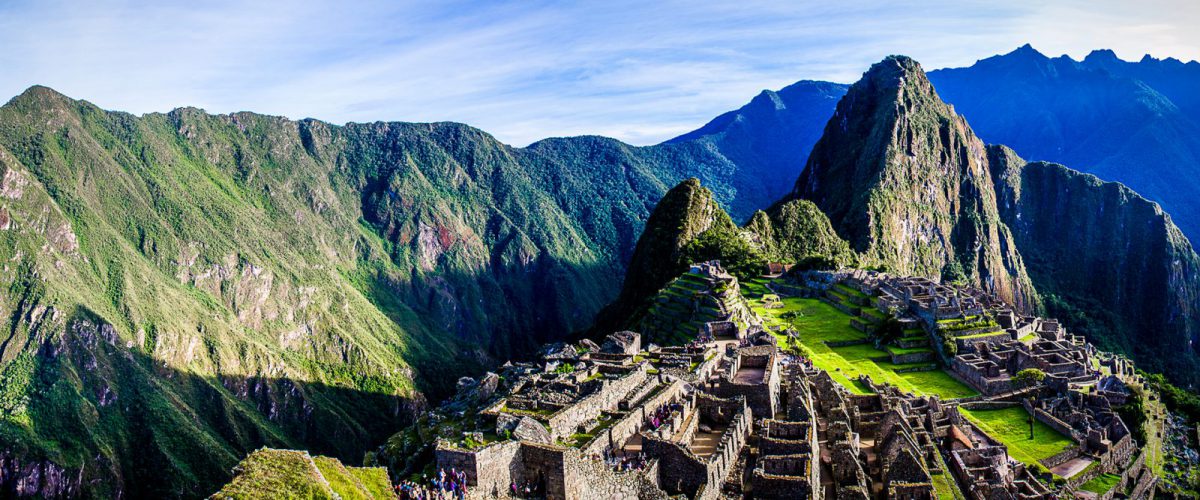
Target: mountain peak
(1027,51)
(892,70)
(1102,56)
(893,150)
(40,94)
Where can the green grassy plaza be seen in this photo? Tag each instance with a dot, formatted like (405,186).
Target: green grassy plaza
(819,322)
(1101,484)
(1011,427)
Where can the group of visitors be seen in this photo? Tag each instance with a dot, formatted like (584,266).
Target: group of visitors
(627,462)
(662,414)
(528,489)
(412,490)
(445,486)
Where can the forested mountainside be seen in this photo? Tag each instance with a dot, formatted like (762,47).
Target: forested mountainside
(904,179)
(1137,123)
(183,288)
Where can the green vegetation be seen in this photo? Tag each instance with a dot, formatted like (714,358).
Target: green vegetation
(818,323)
(1028,377)
(1101,484)
(290,474)
(1011,427)
(1177,399)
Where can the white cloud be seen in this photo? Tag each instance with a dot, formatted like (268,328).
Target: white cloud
(638,71)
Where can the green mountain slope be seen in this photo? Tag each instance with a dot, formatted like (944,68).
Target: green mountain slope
(688,226)
(1110,263)
(261,281)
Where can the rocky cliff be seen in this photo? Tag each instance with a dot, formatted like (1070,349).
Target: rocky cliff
(905,180)
(1109,262)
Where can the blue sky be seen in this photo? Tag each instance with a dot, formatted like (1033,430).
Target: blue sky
(641,71)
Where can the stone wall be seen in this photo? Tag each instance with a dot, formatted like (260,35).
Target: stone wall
(489,470)
(1060,457)
(566,422)
(912,357)
(776,446)
(1052,421)
(593,480)
(546,463)
(679,470)
(632,422)
(772,487)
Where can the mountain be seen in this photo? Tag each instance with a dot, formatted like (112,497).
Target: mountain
(1137,123)
(1174,79)
(688,226)
(769,139)
(184,288)
(906,181)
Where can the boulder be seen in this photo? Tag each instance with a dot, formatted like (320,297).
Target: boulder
(531,430)
(487,387)
(560,351)
(589,345)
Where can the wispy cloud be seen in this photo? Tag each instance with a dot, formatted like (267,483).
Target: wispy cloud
(524,70)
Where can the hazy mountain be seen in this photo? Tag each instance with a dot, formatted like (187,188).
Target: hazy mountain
(1133,123)
(769,139)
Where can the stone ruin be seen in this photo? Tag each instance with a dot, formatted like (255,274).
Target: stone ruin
(741,419)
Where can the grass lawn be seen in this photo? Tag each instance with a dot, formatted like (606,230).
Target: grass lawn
(819,322)
(981,335)
(1011,427)
(908,350)
(754,288)
(848,291)
(1101,484)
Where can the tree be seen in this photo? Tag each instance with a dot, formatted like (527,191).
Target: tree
(1028,377)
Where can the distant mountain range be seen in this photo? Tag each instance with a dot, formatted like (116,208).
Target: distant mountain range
(1137,123)
(182,288)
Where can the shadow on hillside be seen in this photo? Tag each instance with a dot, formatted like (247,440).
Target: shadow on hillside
(504,312)
(105,420)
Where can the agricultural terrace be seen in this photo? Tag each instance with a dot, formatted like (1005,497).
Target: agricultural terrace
(818,322)
(1011,427)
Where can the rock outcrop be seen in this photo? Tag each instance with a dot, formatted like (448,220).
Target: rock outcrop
(906,182)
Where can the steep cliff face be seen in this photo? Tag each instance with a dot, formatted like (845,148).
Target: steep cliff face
(906,182)
(1110,262)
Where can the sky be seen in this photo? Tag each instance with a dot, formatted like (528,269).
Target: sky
(639,71)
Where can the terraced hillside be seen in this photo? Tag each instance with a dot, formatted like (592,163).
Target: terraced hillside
(826,335)
(269,473)
(679,311)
